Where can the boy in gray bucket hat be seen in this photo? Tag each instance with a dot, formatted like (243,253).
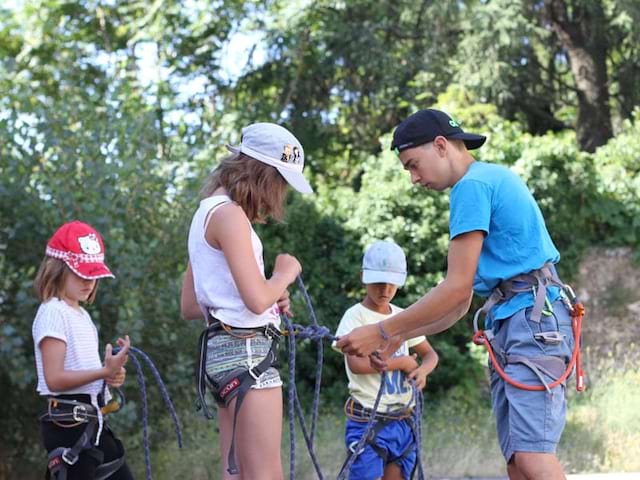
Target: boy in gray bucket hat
(391,453)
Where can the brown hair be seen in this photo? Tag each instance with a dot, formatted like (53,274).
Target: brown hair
(459,144)
(257,187)
(51,278)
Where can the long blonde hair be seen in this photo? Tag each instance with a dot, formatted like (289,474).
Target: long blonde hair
(257,187)
(51,278)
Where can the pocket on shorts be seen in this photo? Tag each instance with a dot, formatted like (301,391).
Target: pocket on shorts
(559,322)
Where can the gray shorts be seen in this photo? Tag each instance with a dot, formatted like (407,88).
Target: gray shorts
(226,353)
(530,421)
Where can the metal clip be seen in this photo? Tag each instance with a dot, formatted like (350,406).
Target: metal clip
(272,332)
(550,338)
(352,448)
(67,460)
(80,413)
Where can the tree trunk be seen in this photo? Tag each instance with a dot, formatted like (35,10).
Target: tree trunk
(580,27)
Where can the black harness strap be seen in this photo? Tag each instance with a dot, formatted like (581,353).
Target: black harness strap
(240,387)
(60,459)
(201,380)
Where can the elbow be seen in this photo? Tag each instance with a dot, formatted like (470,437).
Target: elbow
(257,306)
(190,312)
(54,383)
(461,296)
(185,312)
(436,358)
(257,302)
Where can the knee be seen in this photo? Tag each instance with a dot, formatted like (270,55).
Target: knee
(538,466)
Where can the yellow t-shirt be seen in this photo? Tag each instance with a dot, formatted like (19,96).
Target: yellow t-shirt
(364,387)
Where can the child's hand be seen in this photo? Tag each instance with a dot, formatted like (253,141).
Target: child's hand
(117,379)
(113,363)
(420,376)
(284,303)
(377,362)
(287,265)
(410,364)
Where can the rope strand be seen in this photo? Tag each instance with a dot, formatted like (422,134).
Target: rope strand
(133,355)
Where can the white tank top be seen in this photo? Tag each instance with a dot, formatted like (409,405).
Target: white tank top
(216,291)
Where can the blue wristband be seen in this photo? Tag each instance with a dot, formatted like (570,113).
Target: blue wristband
(385,337)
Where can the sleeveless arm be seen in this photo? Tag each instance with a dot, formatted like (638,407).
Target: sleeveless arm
(230,229)
(189,307)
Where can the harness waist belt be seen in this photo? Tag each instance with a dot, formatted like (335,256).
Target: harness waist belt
(358,412)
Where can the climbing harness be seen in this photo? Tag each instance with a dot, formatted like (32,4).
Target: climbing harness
(377,421)
(537,281)
(239,381)
(70,413)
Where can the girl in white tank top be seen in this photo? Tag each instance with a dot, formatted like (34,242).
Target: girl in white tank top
(225,281)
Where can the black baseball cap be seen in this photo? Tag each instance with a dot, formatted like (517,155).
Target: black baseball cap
(425,125)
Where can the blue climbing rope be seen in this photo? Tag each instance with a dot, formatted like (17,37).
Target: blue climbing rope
(316,333)
(133,355)
(356,450)
(295,408)
(416,428)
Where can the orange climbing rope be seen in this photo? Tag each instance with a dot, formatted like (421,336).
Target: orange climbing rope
(577,314)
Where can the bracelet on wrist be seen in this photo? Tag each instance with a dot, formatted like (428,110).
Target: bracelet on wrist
(384,335)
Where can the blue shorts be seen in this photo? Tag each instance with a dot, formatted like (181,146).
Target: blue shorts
(394,438)
(529,421)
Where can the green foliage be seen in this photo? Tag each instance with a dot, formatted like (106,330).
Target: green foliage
(86,133)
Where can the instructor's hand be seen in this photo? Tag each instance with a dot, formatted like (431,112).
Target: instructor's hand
(361,341)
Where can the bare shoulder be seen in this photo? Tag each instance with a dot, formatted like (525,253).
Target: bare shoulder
(229,211)
(228,217)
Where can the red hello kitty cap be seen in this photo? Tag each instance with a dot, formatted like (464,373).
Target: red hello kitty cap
(80,246)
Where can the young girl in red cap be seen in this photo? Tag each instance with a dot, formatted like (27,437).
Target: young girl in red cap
(225,283)
(71,375)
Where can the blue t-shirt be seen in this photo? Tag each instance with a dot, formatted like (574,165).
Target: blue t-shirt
(493,199)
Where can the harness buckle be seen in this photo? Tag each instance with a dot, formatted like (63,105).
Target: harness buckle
(253,375)
(80,413)
(272,332)
(67,460)
(352,448)
(550,338)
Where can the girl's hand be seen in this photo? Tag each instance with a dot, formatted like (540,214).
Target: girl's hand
(113,363)
(117,379)
(287,265)
(121,343)
(284,303)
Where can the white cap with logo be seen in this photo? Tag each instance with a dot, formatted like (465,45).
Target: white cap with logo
(384,262)
(275,146)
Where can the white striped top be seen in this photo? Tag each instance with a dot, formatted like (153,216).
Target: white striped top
(56,319)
